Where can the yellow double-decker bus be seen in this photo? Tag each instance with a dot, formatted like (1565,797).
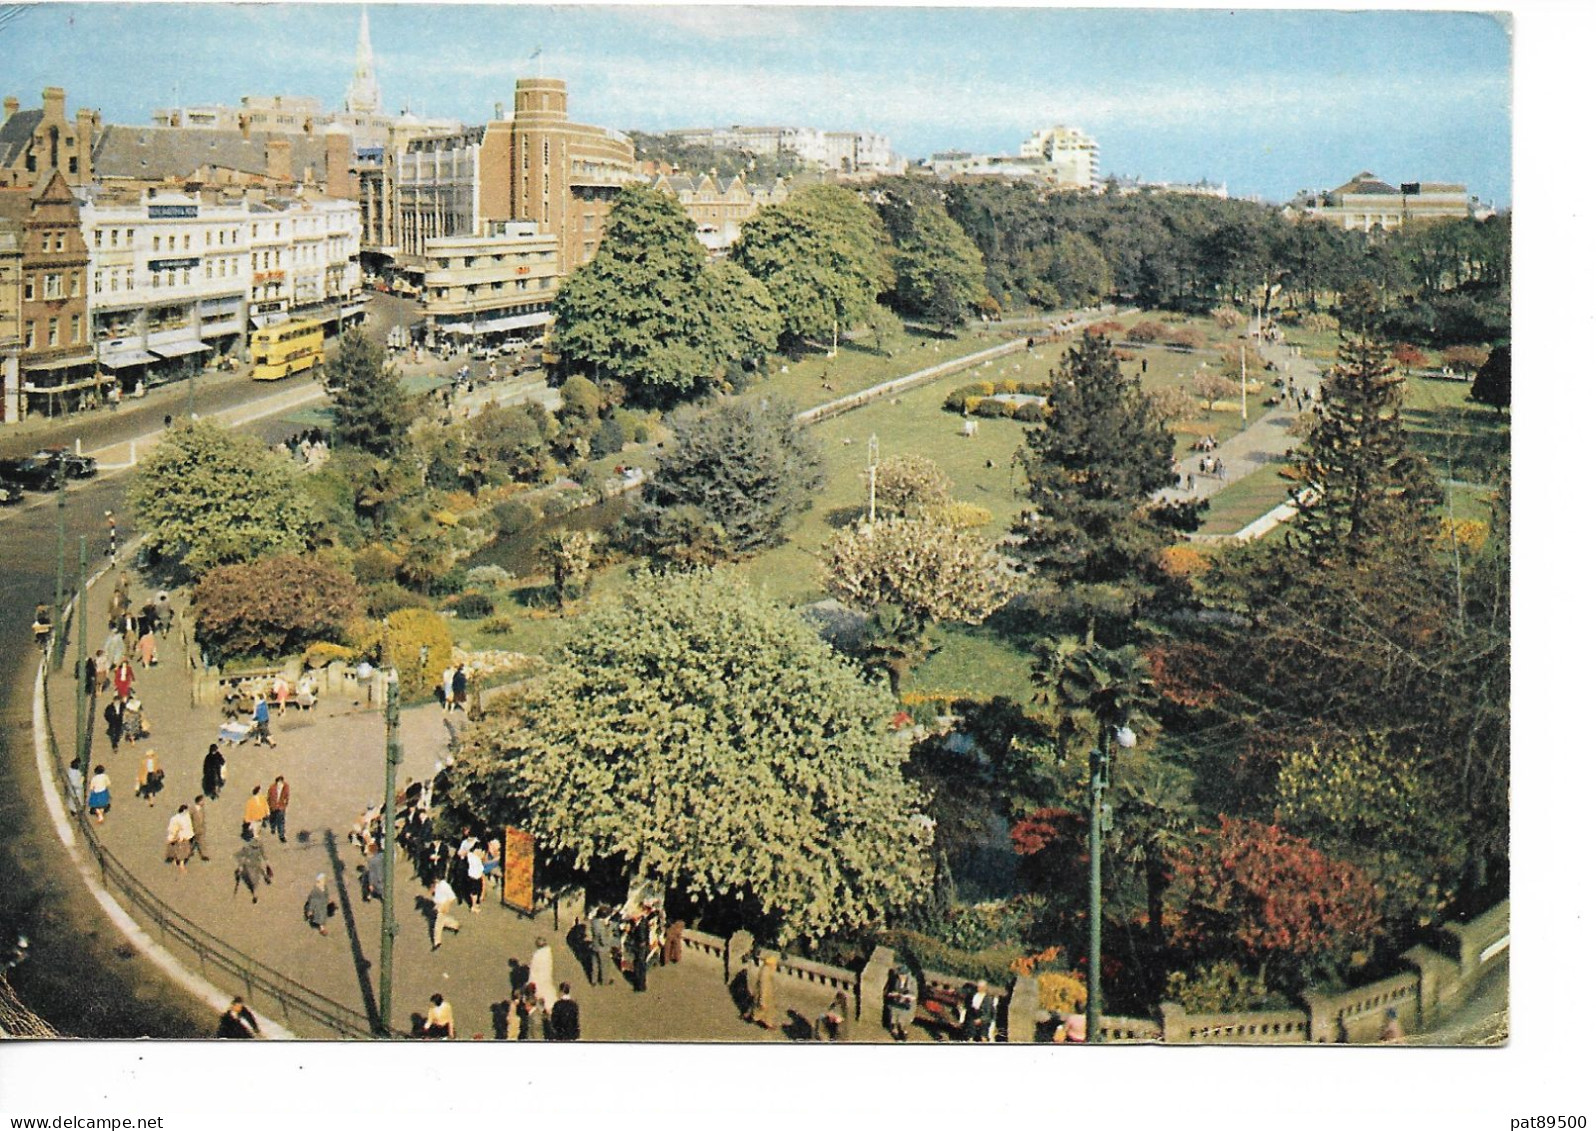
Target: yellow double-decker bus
(286,348)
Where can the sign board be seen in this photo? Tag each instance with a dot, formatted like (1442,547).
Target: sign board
(173,211)
(518,870)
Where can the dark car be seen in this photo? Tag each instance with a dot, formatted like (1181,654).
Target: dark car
(32,473)
(74,465)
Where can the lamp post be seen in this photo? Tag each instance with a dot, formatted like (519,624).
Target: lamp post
(1108,736)
(58,643)
(82,625)
(394,754)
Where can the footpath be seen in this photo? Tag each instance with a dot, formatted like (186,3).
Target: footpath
(332,759)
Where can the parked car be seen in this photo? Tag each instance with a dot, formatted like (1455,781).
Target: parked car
(10,494)
(74,465)
(31,473)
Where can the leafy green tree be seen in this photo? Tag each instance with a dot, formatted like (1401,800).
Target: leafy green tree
(737,476)
(273,607)
(744,322)
(707,738)
(649,312)
(1493,384)
(1365,483)
(1093,465)
(822,255)
(925,571)
(911,486)
(569,557)
(208,497)
(370,411)
(939,271)
(504,443)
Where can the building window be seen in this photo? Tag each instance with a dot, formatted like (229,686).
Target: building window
(185,241)
(77,285)
(52,286)
(208,234)
(77,328)
(115,236)
(208,269)
(97,234)
(27,334)
(113,282)
(99,281)
(55,332)
(129,237)
(27,289)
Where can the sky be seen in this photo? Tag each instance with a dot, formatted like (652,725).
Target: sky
(1266,101)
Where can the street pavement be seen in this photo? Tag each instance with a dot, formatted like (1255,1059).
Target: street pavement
(332,758)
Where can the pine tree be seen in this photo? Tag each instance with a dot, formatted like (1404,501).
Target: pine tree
(1093,465)
(1365,484)
(370,411)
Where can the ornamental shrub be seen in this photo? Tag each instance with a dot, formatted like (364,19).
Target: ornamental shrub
(406,633)
(324,652)
(497,626)
(373,563)
(1147,331)
(514,516)
(488,576)
(273,607)
(386,596)
(472,605)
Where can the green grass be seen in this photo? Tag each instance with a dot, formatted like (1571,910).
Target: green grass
(977,662)
(1244,501)
(859,365)
(1447,427)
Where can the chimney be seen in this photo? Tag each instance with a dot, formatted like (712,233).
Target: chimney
(12,106)
(279,151)
(54,104)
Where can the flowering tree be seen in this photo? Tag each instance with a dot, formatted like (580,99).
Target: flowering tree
(1270,900)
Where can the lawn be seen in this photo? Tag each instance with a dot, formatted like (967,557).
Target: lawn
(1244,501)
(1452,430)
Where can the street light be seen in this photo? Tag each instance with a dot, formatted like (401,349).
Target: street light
(394,755)
(1125,738)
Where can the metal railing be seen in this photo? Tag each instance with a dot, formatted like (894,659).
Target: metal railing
(292,999)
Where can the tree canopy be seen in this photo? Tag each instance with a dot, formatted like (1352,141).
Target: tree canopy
(1093,465)
(822,253)
(370,411)
(208,497)
(940,276)
(648,310)
(708,738)
(273,607)
(739,473)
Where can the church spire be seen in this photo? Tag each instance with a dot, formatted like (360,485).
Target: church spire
(364,96)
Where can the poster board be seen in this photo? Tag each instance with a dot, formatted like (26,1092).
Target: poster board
(518,870)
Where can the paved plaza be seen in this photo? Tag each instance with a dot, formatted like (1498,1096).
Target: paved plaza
(332,758)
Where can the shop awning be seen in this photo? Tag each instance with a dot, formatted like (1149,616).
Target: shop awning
(514,322)
(180,349)
(126,359)
(58,363)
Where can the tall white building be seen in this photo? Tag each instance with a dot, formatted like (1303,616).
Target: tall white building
(1068,155)
(179,276)
(835,150)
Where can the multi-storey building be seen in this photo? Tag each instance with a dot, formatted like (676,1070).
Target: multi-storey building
(1067,154)
(33,143)
(719,205)
(487,286)
(835,150)
(436,191)
(1366,202)
(538,165)
(55,360)
(10,319)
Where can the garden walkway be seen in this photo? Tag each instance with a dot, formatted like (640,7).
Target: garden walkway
(332,757)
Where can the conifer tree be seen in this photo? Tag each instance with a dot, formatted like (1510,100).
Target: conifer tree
(1093,465)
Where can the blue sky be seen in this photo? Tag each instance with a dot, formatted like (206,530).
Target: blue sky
(1266,101)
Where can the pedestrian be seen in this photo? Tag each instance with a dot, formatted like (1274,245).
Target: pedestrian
(237,1022)
(277,808)
(255,811)
(565,1018)
(443,901)
(446,688)
(460,688)
(319,907)
(196,818)
(1191,482)
(213,772)
(637,949)
(673,941)
(832,1025)
(1392,1033)
(262,715)
(99,794)
(540,970)
(115,719)
(980,1013)
(903,997)
(371,878)
(91,672)
(74,777)
(601,940)
(253,869)
(439,1022)
(150,777)
(764,1011)
(163,612)
(147,656)
(113,656)
(180,838)
(122,678)
(474,879)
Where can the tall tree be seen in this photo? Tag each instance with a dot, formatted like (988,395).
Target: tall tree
(822,254)
(1493,384)
(1365,484)
(706,738)
(738,474)
(939,271)
(1093,465)
(208,497)
(370,411)
(647,310)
